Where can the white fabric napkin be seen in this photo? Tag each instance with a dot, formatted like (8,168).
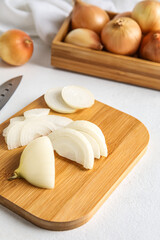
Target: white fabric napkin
(43,18)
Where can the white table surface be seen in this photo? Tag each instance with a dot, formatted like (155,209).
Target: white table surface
(133,210)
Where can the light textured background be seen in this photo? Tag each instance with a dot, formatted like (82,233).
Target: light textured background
(133,210)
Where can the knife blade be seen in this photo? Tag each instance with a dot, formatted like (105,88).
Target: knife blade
(7,89)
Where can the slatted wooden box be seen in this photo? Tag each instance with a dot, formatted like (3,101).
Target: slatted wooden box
(103,64)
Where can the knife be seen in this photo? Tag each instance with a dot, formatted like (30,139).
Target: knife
(7,89)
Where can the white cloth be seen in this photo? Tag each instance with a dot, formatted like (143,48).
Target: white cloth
(43,18)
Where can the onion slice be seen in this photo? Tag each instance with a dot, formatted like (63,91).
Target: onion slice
(55,101)
(93,130)
(94,144)
(33,129)
(12,122)
(58,121)
(15,119)
(12,136)
(77,97)
(36,112)
(73,145)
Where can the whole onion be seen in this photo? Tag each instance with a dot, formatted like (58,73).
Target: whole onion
(121,36)
(88,16)
(147,15)
(84,38)
(150,47)
(16,47)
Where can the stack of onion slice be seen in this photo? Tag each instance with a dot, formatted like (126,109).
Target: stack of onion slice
(34,123)
(68,99)
(80,141)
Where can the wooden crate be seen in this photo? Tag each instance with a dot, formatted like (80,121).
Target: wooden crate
(103,64)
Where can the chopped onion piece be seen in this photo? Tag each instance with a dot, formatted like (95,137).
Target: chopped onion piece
(77,97)
(54,100)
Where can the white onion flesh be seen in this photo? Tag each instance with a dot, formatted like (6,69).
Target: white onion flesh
(73,145)
(37,164)
(58,121)
(77,97)
(12,137)
(36,112)
(6,130)
(93,130)
(15,119)
(55,101)
(33,129)
(94,144)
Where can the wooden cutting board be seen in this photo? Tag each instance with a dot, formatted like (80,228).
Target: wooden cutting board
(78,193)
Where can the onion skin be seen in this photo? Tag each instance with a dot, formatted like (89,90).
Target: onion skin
(147,15)
(150,47)
(121,36)
(84,38)
(16,47)
(88,16)
(124,14)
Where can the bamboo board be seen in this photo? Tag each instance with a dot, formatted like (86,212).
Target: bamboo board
(127,69)
(78,193)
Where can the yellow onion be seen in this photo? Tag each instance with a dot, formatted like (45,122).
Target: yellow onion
(84,38)
(147,15)
(121,36)
(16,47)
(88,16)
(150,47)
(124,14)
